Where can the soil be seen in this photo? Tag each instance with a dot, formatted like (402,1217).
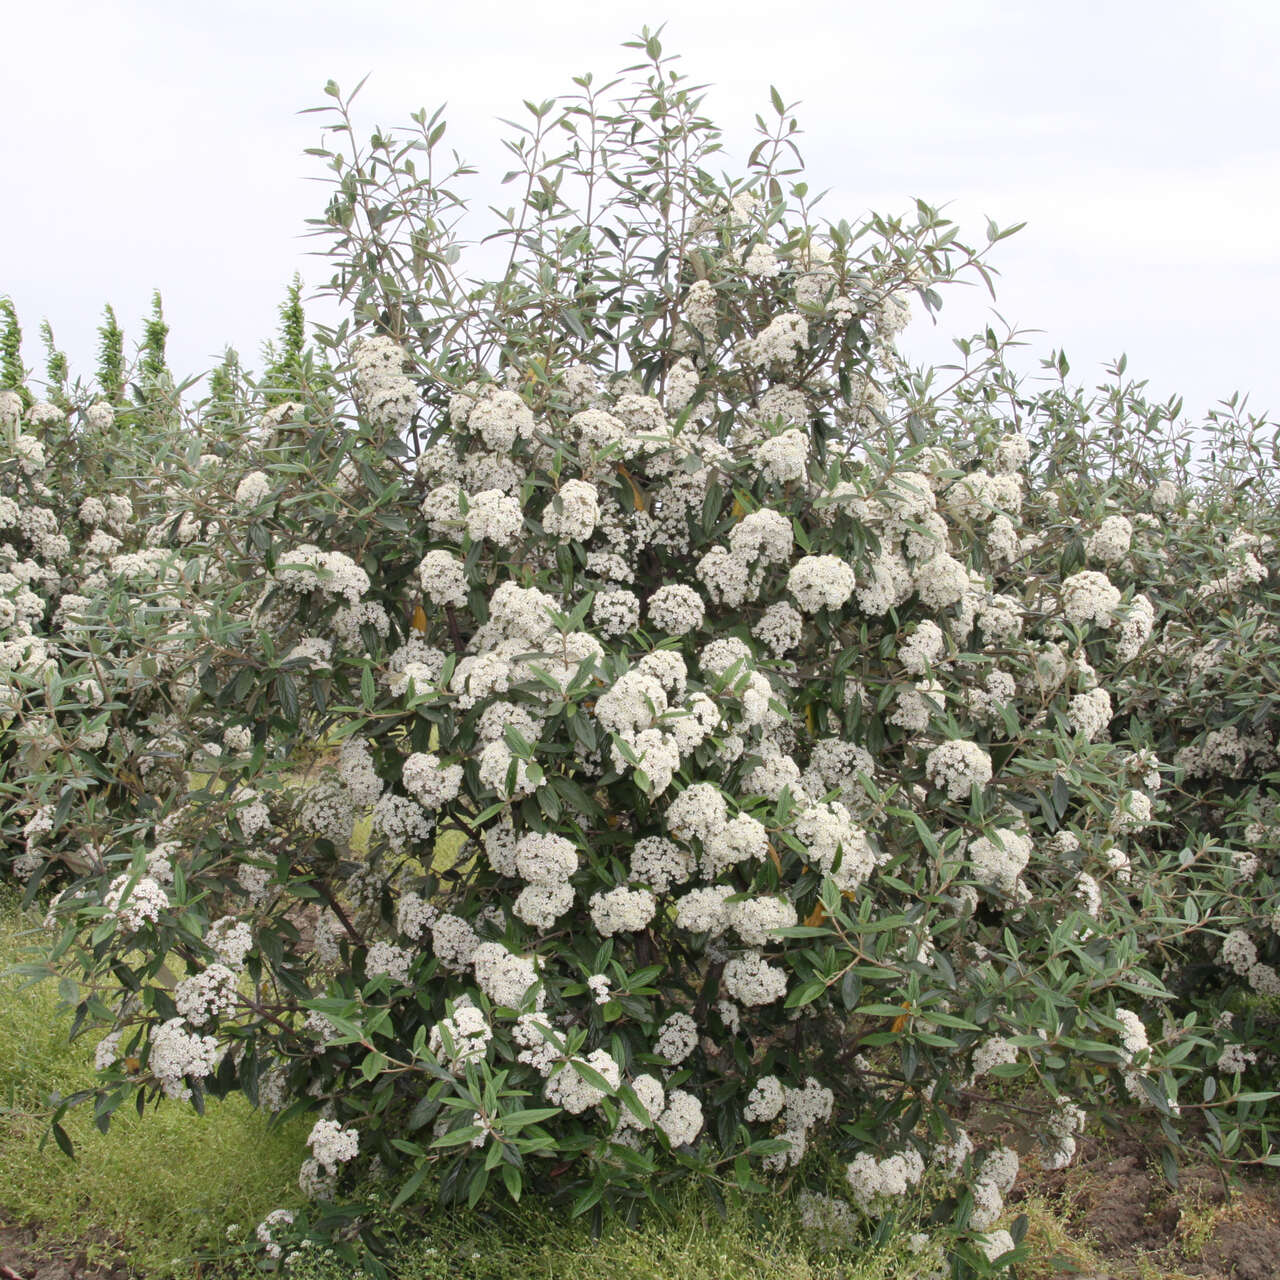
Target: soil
(1117,1200)
(23,1258)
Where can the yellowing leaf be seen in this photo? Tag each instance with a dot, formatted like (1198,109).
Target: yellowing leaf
(637,494)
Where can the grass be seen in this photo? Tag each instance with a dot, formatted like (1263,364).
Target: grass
(152,1190)
(757,1240)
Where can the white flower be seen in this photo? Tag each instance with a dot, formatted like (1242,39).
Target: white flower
(704,910)
(660,863)
(387,958)
(784,457)
(766,1099)
(755,919)
(682,1119)
(1110,541)
(466,1030)
(567,1089)
(762,262)
(454,942)
(677,1038)
(615,612)
(785,337)
(415,916)
(231,940)
(1000,858)
(676,609)
(428,782)
(177,1053)
(875,1184)
(752,980)
(207,995)
(836,844)
(765,536)
(1089,597)
(1090,713)
(621,910)
(135,903)
(500,418)
(504,977)
(494,515)
(443,578)
(387,394)
(572,513)
(540,905)
(332,1145)
(940,581)
(780,628)
(956,767)
(252,490)
(820,582)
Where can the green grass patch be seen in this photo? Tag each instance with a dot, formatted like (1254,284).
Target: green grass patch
(154,1189)
(759,1239)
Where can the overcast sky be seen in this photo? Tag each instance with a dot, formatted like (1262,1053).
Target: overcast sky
(157,144)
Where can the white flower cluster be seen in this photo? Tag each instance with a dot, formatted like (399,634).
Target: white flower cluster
(621,910)
(430,783)
(461,1037)
(996,1176)
(999,859)
(503,976)
(958,766)
(454,942)
(1111,540)
(677,1038)
(385,958)
(876,1184)
(307,568)
(1062,1126)
(922,648)
(660,863)
(751,980)
(332,1145)
(574,1092)
(231,940)
(387,394)
(177,1053)
(1090,713)
(682,1119)
(573,511)
(836,844)
(821,582)
(802,1110)
(252,490)
(134,903)
(443,578)
(206,996)
(499,417)
(1089,597)
(493,516)
(545,862)
(781,341)
(676,609)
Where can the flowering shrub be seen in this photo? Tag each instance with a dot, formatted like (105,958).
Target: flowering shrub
(625,721)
